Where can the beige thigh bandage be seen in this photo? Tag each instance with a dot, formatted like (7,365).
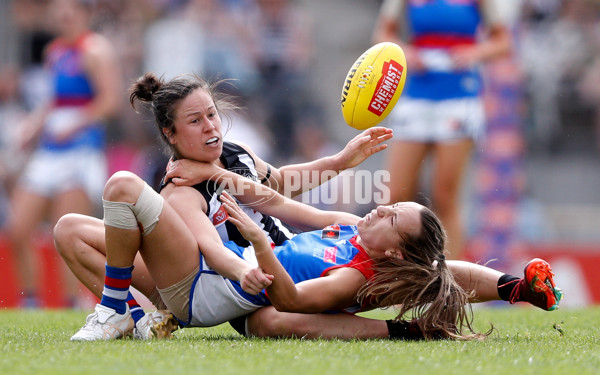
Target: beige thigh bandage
(177,296)
(144,213)
(156,300)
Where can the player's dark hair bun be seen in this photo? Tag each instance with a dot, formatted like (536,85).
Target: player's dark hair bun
(144,88)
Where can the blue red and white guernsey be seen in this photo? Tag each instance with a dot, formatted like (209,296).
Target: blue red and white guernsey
(434,27)
(311,255)
(73,90)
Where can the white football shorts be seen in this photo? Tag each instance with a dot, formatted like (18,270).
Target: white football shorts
(216,301)
(49,173)
(430,121)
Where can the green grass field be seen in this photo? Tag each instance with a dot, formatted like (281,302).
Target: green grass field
(525,341)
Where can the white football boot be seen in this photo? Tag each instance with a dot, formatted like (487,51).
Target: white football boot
(105,324)
(157,324)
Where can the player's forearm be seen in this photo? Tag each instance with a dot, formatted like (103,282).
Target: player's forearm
(250,193)
(104,70)
(297,214)
(225,262)
(101,108)
(340,217)
(282,292)
(218,256)
(269,202)
(184,200)
(305,217)
(386,30)
(498,44)
(299,178)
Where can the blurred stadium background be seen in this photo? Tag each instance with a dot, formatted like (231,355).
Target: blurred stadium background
(533,185)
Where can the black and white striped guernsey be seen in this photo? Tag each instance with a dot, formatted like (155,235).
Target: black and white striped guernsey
(236,159)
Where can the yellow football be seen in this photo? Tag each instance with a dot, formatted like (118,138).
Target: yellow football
(373,85)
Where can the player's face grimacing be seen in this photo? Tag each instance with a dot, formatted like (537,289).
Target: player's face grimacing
(380,231)
(198,134)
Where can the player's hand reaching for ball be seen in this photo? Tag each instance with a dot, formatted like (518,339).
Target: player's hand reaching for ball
(362,146)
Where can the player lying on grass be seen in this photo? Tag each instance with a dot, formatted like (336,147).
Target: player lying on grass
(485,284)
(537,287)
(398,249)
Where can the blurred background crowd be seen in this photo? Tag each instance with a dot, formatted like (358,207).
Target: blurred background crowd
(532,182)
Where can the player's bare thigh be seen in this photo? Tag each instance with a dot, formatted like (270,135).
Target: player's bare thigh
(450,162)
(404,162)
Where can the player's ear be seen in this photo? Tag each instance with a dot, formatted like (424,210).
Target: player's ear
(394,253)
(168,133)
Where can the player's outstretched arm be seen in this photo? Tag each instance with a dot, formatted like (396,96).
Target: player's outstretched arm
(267,200)
(270,202)
(292,180)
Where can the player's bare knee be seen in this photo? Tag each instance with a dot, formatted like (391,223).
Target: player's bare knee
(258,324)
(268,322)
(65,231)
(266,328)
(123,186)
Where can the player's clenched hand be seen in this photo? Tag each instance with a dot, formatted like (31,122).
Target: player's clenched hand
(362,146)
(255,280)
(189,173)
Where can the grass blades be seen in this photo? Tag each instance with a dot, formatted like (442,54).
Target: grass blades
(525,341)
